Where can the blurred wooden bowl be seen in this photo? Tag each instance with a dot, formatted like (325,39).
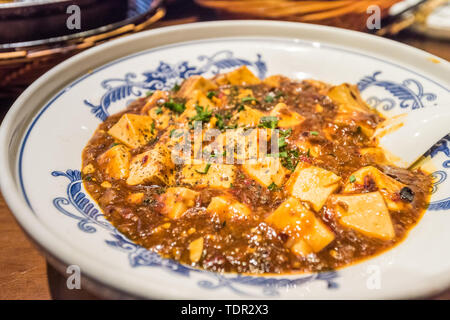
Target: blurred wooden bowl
(350,14)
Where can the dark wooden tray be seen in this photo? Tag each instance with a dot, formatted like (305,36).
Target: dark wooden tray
(44,22)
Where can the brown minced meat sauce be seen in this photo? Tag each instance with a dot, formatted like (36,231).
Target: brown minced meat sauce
(252,245)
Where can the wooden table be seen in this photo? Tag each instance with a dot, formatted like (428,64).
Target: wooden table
(24,274)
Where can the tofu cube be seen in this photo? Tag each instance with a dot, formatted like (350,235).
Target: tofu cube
(241,76)
(115,162)
(214,175)
(153,166)
(352,108)
(133,130)
(389,187)
(248,117)
(312,184)
(228,208)
(266,171)
(366,213)
(306,233)
(348,99)
(286,118)
(158,95)
(162,117)
(275,81)
(177,201)
(195,83)
(199,98)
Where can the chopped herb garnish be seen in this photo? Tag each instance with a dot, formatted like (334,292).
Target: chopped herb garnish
(286,133)
(240,108)
(176,87)
(269,98)
(282,142)
(115,144)
(282,154)
(175,133)
(153,127)
(314,133)
(352,179)
(248,99)
(158,110)
(175,106)
(220,123)
(291,161)
(205,171)
(203,114)
(268,122)
(211,94)
(149,93)
(279,94)
(272,187)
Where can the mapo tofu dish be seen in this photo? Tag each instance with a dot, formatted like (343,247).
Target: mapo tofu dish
(238,174)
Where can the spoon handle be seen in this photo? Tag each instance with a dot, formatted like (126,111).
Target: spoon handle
(408,137)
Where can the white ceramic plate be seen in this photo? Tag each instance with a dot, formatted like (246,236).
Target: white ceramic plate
(45,131)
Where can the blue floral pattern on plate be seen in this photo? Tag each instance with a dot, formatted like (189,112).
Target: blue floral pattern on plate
(410,93)
(165,76)
(89,219)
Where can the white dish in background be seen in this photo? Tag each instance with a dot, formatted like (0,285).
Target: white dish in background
(437,23)
(42,137)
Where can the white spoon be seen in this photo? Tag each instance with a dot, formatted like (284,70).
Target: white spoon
(408,136)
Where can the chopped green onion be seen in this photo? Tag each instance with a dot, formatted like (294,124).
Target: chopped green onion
(153,127)
(175,106)
(286,133)
(248,99)
(203,114)
(176,87)
(205,171)
(269,98)
(279,94)
(269,122)
(314,133)
(352,179)
(282,154)
(282,142)
(272,187)
(211,94)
